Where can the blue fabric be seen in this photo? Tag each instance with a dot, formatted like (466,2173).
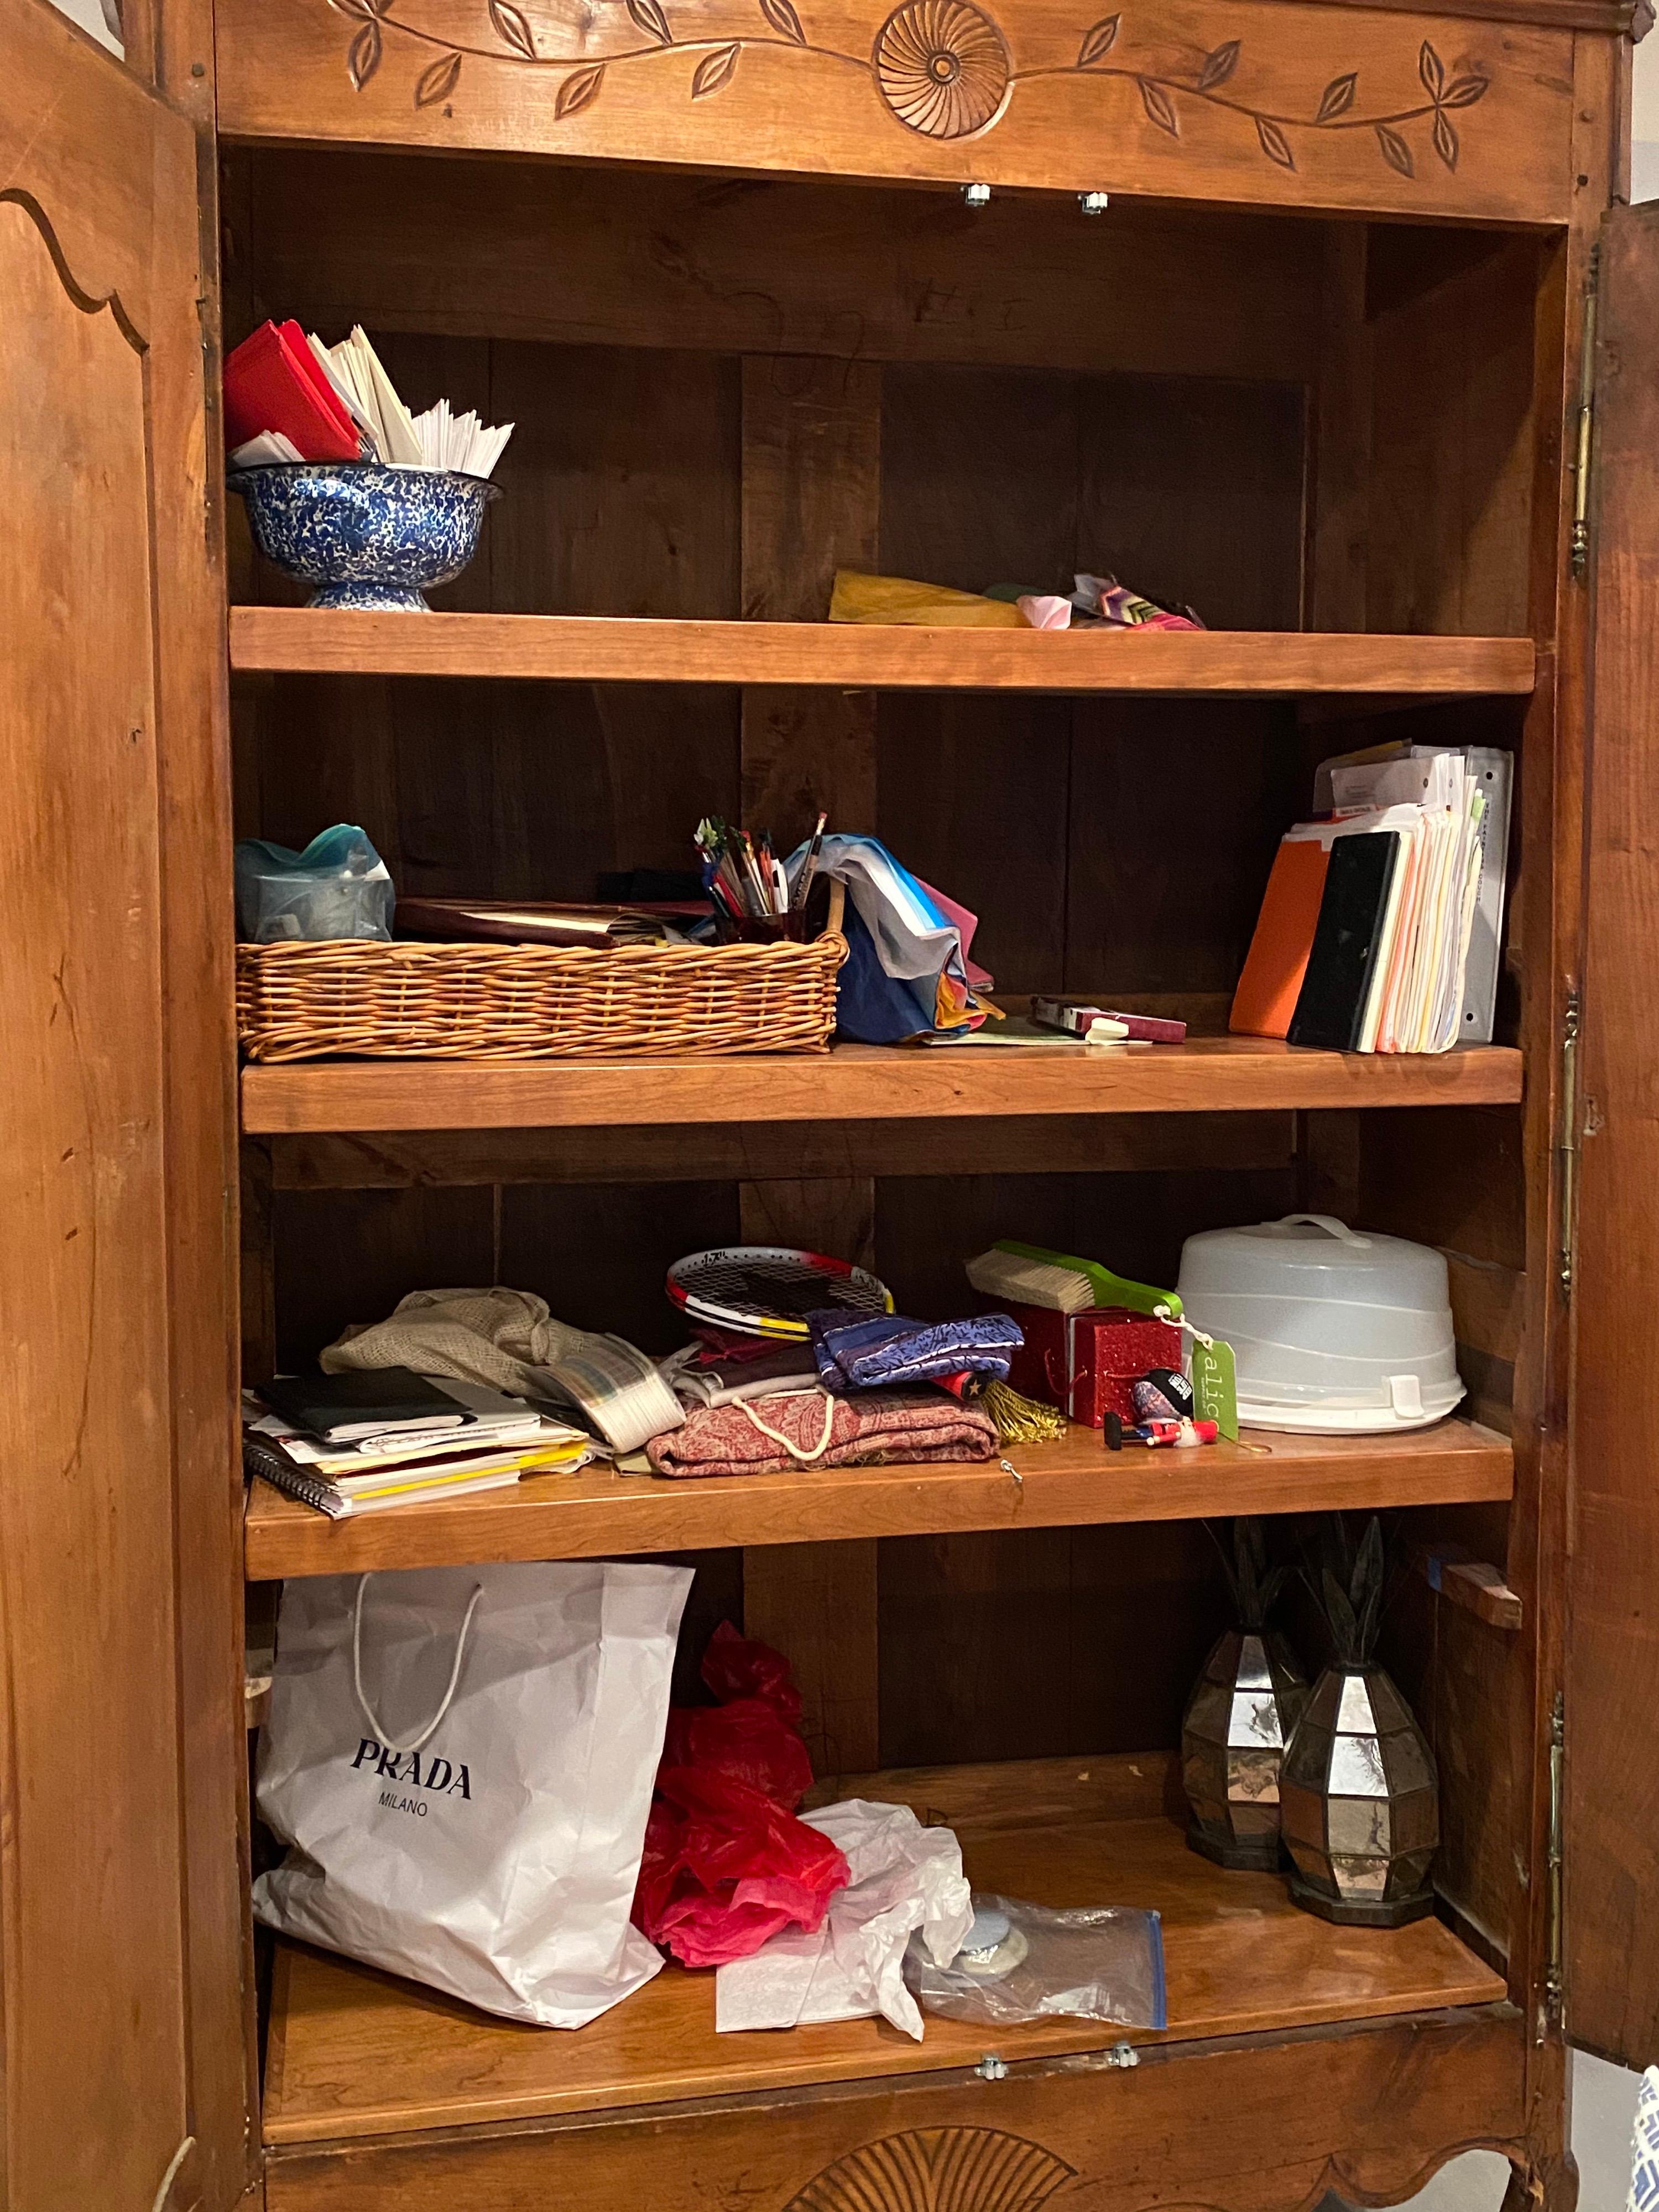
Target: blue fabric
(872,1007)
(869,1355)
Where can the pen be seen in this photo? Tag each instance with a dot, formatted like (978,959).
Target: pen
(808,867)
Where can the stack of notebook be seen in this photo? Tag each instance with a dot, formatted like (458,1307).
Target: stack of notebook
(360,1442)
(1381,926)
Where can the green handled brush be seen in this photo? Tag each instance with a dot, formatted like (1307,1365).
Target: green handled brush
(1031,1276)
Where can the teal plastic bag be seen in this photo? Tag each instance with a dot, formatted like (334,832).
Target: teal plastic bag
(338,887)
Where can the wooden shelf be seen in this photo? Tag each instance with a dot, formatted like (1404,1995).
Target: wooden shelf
(598,1514)
(609,649)
(864,1082)
(355,2055)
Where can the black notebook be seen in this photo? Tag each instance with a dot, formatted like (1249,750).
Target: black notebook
(343,1409)
(1330,1008)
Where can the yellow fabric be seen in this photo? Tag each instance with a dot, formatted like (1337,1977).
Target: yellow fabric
(860,599)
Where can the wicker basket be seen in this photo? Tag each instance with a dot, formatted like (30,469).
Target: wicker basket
(409,1001)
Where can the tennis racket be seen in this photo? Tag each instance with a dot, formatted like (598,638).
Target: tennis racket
(768,1290)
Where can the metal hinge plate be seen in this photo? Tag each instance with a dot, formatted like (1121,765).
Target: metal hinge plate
(1552,1975)
(1567,1253)
(1583,428)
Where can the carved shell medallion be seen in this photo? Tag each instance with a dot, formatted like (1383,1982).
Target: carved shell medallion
(941,66)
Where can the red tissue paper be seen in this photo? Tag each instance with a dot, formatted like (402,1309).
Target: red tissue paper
(727,1865)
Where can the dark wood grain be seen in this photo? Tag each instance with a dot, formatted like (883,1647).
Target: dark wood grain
(1612,1648)
(763,1151)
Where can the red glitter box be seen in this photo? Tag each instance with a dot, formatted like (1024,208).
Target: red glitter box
(1088,1363)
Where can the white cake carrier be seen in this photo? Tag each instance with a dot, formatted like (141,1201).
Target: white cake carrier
(1335,1333)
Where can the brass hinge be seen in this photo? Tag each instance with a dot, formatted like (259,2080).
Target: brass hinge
(1567,1254)
(1585,425)
(1552,1985)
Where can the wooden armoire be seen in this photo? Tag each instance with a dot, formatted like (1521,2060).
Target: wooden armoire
(1328,318)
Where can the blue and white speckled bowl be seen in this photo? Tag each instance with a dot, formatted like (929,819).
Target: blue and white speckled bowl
(366,535)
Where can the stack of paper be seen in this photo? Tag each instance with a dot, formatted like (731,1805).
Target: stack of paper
(500,1440)
(1392,944)
(286,394)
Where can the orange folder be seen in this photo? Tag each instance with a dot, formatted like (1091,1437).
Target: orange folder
(1278,959)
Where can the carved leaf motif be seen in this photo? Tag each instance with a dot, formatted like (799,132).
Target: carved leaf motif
(512,28)
(1431,70)
(784,20)
(1445,140)
(1160,108)
(1395,152)
(1274,145)
(438,81)
(1218,66)
(1337,97)
(1463,92)
(356,8)
(715,69)
(1098,41)
(363,54)
(648,16)
(579,90)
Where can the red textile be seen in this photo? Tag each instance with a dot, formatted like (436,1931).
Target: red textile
(727,1865)
(725,1869)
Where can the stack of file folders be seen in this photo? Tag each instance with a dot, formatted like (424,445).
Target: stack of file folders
(448,1440)
(1381,926)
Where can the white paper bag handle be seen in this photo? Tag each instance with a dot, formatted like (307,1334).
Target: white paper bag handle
(369,1715)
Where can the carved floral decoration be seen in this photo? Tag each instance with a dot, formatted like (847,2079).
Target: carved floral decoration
(955,2169)
(941,67)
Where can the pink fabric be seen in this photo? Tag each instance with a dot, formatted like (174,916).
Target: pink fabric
(870,1428)
(979,979)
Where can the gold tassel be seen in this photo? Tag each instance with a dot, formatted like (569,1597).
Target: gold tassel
(1021,1420)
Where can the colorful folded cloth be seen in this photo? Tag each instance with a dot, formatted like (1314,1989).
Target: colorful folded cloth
(813,1428)
(869,1355)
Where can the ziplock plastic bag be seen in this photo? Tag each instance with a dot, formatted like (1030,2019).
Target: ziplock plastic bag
(338,887)
(1022,1961)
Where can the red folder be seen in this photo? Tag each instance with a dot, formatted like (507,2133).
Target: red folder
(1278,959)
(268,388)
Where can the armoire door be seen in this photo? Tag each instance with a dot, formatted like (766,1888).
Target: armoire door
(1611,1711)
(124,2076)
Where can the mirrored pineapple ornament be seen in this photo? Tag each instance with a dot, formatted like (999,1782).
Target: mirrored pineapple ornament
(1359,1795)
(1240,1717)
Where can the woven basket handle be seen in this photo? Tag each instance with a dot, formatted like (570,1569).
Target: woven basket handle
(837,908)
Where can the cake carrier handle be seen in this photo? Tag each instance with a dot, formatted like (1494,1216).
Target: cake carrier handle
(1332,1227)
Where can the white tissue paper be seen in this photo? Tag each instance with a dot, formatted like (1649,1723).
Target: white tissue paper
(903,1877)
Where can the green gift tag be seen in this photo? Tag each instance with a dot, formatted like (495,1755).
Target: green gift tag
(1215,1386)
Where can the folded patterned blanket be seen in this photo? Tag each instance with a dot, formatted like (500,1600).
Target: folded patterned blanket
(809,1428)
(865,1355)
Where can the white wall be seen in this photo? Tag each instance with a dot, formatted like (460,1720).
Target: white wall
(1644,122)
(90,14)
